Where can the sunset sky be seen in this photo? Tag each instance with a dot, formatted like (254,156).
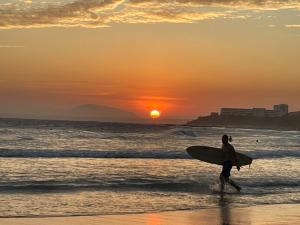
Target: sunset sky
(184,58)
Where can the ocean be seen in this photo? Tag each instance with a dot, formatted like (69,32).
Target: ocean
(64,168)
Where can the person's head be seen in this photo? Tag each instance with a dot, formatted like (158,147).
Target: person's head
(225,139)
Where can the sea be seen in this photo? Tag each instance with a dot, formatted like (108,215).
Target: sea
(65,168)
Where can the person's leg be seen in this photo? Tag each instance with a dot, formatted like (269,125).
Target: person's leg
(233,184)
(224,176)
(222,183)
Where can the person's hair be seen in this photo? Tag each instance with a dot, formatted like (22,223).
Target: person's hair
(225,136)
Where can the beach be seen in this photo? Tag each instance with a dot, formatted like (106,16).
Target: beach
(255,215)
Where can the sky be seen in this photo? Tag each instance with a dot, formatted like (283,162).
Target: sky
(184,58)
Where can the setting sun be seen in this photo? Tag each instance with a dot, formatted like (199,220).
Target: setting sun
(154,114)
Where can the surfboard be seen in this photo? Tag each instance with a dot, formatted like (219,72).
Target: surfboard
(215,155)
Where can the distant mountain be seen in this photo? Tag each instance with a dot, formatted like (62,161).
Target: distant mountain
(100,113)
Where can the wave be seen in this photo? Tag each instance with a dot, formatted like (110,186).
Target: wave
(181,132)
(201,185)
(155,154)
(61,186)
(269,154)
(25,138)
(137,154)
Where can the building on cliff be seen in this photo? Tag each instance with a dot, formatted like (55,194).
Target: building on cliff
(278,111)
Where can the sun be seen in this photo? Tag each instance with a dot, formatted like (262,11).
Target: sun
(155,114)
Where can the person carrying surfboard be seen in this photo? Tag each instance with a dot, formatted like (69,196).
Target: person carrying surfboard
(229,158)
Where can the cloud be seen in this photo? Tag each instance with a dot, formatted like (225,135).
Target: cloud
(77,13)
(246,4)
(102,13)
(160,98)
(292,25)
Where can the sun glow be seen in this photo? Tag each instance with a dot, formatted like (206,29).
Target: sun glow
(155,114)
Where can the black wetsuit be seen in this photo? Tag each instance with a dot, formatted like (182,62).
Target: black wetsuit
(228,160)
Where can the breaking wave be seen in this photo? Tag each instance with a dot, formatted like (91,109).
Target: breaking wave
(201,185)
(138,154)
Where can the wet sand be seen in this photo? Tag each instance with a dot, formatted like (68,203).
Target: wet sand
(224,215)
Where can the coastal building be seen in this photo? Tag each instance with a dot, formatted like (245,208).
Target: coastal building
(281,109)
(278,111)
(235,112)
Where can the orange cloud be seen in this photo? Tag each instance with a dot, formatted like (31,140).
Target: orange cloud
(292,25)
(102,13)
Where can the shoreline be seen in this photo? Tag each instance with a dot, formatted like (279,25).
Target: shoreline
(285,214)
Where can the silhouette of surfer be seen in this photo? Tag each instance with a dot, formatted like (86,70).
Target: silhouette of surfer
(228,160)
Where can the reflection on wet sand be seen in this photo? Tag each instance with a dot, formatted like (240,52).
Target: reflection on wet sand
(287,214)
(224,211)
(229,216)
(153,219)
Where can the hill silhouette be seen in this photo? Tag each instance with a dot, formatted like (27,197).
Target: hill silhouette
(290,121)
(100,113)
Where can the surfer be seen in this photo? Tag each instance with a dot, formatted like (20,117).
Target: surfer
(229,158)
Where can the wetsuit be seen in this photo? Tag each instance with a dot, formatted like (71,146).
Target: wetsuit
(229,158)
